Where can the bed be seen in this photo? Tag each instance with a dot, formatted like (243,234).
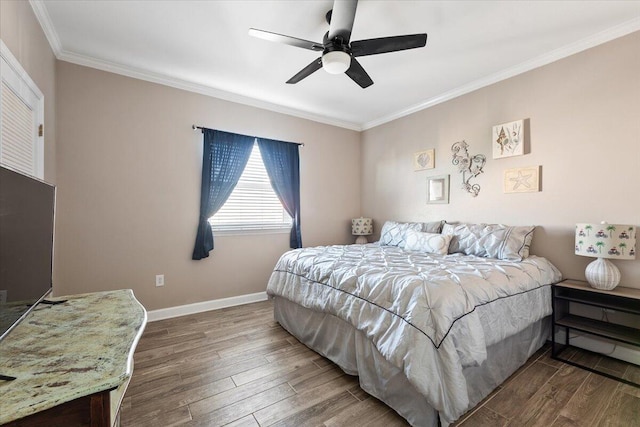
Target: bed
(428,332)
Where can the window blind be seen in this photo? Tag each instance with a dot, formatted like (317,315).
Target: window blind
(253,205)
(17,132)
(21,113)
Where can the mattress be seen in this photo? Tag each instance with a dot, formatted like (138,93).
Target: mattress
(429,316)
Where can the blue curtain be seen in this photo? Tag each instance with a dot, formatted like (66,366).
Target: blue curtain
(282,161)
(225,156)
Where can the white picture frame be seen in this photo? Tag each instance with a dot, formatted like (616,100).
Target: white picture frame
(507,139)
(522,180)
(423,160)
(438,189)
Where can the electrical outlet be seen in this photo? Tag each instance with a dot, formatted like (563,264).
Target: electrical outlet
(3,297)
(159,279)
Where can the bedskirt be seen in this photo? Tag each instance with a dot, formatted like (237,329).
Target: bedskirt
(350,349)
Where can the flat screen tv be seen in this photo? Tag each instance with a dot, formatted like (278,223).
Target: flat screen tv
(27,208)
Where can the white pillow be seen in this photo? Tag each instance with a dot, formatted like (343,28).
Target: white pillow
(430,243)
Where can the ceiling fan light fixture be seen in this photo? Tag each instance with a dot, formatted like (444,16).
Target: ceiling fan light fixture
(336,62)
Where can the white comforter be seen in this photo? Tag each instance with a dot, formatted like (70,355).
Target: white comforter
(419,309)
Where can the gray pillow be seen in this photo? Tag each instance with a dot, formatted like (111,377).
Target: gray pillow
(490,240)
(394,233)
(432,227)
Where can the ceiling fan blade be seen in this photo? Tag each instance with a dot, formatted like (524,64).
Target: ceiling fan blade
(342,15)
(306,71)
(358,74)
(387,44)
(279,38)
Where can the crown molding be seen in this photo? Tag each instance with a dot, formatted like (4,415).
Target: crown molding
(200,89)
(555,55)
(42,15)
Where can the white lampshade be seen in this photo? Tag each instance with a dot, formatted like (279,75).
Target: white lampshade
(336,62)
(613,241)
(361,226)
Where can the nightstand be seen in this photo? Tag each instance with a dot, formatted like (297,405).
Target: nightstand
(569,292)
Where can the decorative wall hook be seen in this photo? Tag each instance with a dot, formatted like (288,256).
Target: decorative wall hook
(469,166)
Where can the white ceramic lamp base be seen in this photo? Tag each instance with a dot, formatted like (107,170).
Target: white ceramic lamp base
(602,274)
(361,240)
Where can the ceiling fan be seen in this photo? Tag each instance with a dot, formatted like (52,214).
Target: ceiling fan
(339,53)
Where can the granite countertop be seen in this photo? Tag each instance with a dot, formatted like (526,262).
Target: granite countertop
(62,352)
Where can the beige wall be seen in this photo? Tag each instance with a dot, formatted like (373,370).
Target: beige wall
(129,189)
(21,32)
(584,114)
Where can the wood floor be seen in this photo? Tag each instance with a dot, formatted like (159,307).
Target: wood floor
(238,367)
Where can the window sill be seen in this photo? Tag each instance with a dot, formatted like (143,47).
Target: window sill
(242,232)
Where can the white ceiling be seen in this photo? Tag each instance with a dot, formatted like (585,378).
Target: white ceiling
(203,46)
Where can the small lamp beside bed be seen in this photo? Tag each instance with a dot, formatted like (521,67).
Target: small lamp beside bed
(613,241)
(361,227)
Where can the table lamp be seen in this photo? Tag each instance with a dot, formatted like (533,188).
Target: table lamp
(613,241)
(361,227)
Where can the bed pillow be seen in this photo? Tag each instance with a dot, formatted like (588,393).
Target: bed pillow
(490,240)
(393,233)
(432,227)
(432,243)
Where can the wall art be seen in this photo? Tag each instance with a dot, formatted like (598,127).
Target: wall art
(522,180)
(438,189)
(423,160)
(469,166)
(508,139)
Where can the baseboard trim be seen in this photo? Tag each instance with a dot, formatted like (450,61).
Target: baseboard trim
(199,307)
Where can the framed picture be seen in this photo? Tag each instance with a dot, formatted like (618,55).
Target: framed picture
(508,139)
(522,180)
(423,160)
(438,189)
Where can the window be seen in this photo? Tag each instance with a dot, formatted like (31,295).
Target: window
(253,205)
(21,113)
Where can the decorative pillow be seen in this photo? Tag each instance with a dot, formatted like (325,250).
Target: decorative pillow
(432,243)
(432,227)
(490,240)
(393,233)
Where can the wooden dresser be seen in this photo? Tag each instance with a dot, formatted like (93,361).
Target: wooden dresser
(72,361)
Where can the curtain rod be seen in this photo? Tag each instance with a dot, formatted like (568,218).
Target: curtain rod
(194,127)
